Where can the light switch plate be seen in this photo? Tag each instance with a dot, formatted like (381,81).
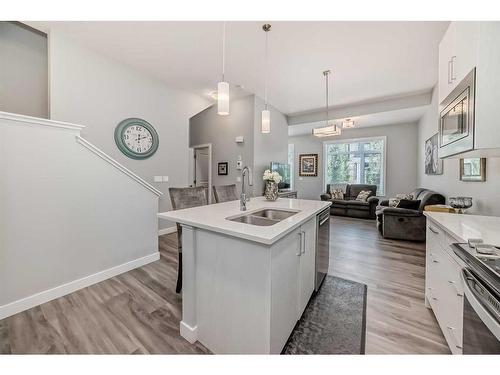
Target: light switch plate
(238,179)
(158,179)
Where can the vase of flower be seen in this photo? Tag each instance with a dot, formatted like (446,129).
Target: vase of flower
(272,179)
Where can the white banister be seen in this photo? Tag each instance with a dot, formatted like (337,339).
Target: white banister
(117,165)
(39,121)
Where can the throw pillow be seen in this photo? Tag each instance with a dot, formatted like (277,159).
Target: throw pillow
(337,194)
(363,195)
(410,204)
(405,196)
(393,202)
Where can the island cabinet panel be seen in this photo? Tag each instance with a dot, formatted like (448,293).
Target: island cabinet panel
(292,281)
(285,260)
(307,264)
(444,292)
(233,279)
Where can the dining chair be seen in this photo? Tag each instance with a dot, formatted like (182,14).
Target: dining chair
(185,198)
(225,193)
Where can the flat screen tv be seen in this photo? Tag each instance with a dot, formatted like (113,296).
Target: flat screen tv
(284,170)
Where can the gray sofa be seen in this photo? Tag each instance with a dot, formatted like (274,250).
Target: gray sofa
(349,206)
(405,224)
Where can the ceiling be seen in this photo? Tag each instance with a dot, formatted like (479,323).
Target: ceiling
(368,59)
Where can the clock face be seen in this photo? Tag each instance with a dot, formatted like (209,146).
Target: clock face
(136,138)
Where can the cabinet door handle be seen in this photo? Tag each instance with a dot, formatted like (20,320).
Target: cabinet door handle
(452,71)
(452,332)
(449,73)
(433,230)
(304,242)
(300,245)
(454,285)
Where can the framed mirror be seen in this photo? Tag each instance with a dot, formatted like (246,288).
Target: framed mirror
(473,169)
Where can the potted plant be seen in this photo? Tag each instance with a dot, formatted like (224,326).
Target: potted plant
(272,179)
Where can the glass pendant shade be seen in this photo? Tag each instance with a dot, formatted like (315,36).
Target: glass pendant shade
(327,131)
(266,122)
(223,98)
(348,124)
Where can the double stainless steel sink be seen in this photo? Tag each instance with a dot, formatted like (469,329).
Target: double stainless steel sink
(263,218)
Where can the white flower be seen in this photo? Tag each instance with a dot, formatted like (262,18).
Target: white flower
(272,176)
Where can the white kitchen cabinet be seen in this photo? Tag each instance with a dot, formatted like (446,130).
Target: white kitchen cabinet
(307,264)
(292,283)
(457,55)
(487,136)
(443,290)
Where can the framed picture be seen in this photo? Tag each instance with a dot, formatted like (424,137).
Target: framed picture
(433,165)
(222,169)
(308,165)
(473,169)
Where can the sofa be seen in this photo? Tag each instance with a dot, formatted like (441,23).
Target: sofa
(403,223)
(349,206)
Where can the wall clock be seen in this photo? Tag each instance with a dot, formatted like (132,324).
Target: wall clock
(136,138)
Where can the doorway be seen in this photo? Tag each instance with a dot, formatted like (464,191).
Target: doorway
(202,168)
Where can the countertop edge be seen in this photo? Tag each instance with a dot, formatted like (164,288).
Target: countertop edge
(261,240)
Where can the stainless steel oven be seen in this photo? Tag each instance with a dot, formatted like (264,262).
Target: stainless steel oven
(322,247)
(481,330)
(456,118)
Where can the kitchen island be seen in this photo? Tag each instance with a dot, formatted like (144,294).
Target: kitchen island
(247,275)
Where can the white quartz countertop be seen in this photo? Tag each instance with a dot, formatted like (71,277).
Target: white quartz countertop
(464,226)
(213,217)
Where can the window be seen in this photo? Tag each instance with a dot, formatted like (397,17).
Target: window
(356,161)
(291,155)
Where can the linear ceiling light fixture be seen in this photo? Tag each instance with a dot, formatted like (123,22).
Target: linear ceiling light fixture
(223,86)
(330,129)
(266,114)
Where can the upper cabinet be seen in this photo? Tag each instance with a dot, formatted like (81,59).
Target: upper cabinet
(468,98)
(457,55)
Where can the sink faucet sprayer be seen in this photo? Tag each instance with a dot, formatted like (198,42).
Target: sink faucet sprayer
(243,197)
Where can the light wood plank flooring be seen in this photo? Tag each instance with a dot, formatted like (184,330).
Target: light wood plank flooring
(394,271)
(139,311)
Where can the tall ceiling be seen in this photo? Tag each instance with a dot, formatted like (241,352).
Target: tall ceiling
(368,59)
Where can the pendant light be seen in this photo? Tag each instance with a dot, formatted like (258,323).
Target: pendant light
(330,129)
(223,86)
(348,123)
(266,114)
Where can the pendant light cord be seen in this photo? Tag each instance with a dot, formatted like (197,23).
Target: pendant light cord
(223,50)
(265,73)
(327,74)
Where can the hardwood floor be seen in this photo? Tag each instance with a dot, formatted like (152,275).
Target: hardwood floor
(139,311)
(394,271)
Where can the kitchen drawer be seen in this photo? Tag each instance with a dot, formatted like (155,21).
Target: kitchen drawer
(435,236)
(445,295)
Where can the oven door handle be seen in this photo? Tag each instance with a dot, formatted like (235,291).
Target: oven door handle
(474,298)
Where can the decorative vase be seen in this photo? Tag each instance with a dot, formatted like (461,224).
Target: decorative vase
(271,192)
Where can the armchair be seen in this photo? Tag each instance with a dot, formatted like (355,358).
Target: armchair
(403,223)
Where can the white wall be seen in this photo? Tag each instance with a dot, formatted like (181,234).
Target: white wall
(401,158)
(485,194)
(23,70)
(221,131)
(66,214)
(268,147)
(90,89)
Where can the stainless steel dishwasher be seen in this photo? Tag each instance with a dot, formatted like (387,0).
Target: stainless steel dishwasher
(322,246)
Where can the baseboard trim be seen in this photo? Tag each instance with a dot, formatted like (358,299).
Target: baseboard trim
(188,332)
(61,290)
(169,230)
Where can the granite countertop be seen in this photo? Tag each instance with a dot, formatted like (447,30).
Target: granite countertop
(213,217)
(464,226)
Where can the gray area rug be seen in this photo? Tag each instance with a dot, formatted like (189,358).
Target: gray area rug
(334,321)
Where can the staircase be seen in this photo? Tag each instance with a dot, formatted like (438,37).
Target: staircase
(70,215)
